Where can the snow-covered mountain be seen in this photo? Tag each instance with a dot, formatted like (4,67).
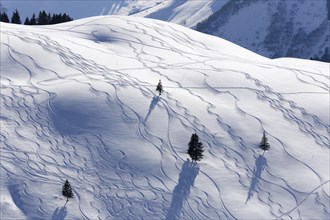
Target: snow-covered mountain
(272,28)
(295,28)
(78,102)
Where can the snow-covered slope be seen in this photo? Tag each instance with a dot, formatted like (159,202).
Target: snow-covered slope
(78,102)
(273,28)
(295,28)
(184,12)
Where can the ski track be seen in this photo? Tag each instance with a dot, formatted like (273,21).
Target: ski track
(130,189)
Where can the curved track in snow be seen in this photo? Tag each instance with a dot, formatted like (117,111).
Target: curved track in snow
(78,102)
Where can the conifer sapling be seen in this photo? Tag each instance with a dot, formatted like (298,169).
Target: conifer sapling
(67,191)
(195,149)
(159,87)
(264,143)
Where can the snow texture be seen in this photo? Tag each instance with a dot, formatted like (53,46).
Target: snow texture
(79,103)
(281,28)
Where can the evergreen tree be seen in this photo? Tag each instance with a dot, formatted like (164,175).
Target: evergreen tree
(56,19)
(33,20)
(67,191)
(264,143)
(159,87)
(27,21)
(4,17)
(49,18)
(16,19)
(42,18)
(65,18)
(195,149)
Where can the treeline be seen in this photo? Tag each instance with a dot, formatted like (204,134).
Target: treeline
(43,18)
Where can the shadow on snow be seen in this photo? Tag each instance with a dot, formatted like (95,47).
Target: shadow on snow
(25,202)
(59,213)
(74,116)
(181,191)
(153,104)
(260,165)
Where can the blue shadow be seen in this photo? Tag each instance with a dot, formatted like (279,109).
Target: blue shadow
(260,165)
(153,104)
(59,213)
(181,191)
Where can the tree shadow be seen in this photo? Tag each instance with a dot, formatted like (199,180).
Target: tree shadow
(153,104)
(15,191)
(260,165)
(59,213)
(181,191)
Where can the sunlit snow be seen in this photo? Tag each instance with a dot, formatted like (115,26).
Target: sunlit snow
(79,103)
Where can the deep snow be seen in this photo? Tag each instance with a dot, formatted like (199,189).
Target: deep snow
(78,102)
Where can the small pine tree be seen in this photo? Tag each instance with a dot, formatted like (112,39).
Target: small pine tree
(195,149)
(159,87)
(49,18)
(264,143)
(33,20)
(55,19)
(65,18)
(27,21)
(42,18)
(16,19)
(67,191)
(4,17)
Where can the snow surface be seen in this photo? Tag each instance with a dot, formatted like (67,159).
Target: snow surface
(185,12)
(295,28)
(78,102)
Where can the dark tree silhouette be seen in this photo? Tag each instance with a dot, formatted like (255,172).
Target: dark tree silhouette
(56,18)
(159,87)
(65,18)
(49,18)
(42,18)
(67,191)
(33,20)
(27,21)
(16,19)
(195,149)
(264,143)
(4,17)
